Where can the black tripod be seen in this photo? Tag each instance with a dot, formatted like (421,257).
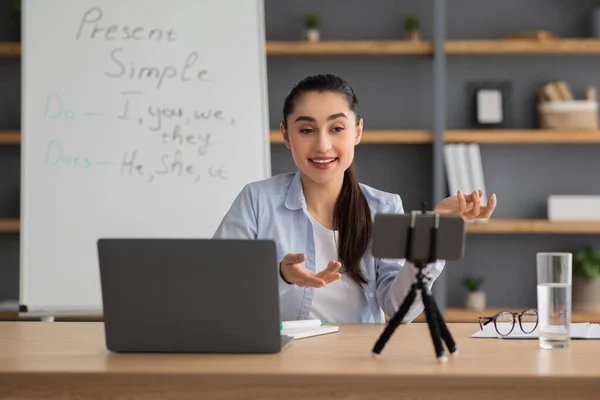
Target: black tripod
(437,326)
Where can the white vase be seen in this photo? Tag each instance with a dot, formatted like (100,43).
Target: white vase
(475,301)
(312,35)
(413,35)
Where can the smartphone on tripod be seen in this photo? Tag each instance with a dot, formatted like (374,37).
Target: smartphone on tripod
(420,239)
(391,234)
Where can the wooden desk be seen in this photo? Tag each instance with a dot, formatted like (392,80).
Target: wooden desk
(69,360)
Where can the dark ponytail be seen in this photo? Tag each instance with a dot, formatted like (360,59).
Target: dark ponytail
(352,214)
(352,218)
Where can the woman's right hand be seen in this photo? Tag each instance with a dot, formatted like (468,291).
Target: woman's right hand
(293,272)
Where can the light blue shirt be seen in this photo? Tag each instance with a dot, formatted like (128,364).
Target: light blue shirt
(275,209)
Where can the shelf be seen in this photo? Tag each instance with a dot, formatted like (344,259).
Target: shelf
(10,49)
(373,137)
(522,136)
(8,316)
(9,225)
(292,48)
(424,137)
(535,226)
(10,137)
(524,46)
(323,48)
(399,47)
(380,137)
(465,315)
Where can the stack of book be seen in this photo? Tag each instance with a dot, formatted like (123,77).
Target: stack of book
(464,169)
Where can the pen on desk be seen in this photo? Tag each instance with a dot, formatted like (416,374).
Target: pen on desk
(305,323)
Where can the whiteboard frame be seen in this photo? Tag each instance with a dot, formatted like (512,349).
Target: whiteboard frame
(48,313)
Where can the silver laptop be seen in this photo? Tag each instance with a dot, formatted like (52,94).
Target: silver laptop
(190,295)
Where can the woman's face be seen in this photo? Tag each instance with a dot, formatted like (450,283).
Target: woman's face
(322,132)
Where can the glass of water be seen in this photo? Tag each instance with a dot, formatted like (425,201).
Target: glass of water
(554,272)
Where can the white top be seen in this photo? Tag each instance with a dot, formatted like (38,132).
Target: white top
(340,301)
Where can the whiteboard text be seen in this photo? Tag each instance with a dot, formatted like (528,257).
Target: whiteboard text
(90,27)
(184,73)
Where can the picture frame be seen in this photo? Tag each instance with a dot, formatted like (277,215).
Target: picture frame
(490,104)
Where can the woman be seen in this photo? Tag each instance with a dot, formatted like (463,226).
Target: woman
(321,217)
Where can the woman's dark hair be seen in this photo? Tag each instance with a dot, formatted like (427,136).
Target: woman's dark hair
(352,214)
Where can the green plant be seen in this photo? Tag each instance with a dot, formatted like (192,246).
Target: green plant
(472,282)
(586,263)
(411,22)
(312,20)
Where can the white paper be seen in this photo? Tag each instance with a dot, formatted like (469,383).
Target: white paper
(308,332)
(489,106)
(583,330)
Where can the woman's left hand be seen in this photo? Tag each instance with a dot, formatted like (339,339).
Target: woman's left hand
(467,205)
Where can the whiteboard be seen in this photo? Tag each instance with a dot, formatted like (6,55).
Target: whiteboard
(140,119)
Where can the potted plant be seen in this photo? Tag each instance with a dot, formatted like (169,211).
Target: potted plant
(311,24)
(586,280)
(411,27)
(475,297)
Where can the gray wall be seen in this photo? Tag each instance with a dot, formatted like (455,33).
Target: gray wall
(395,92)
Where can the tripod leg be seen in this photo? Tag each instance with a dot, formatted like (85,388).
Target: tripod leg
(434,328)
(394,322)
(444,331)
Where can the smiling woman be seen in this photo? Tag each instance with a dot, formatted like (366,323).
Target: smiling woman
(321,216)
(322,131)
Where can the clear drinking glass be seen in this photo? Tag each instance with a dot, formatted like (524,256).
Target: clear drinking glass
(554,272)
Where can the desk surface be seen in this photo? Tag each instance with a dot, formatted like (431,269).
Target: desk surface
(37,359)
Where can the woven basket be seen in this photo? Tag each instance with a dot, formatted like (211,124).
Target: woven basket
(578,114)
